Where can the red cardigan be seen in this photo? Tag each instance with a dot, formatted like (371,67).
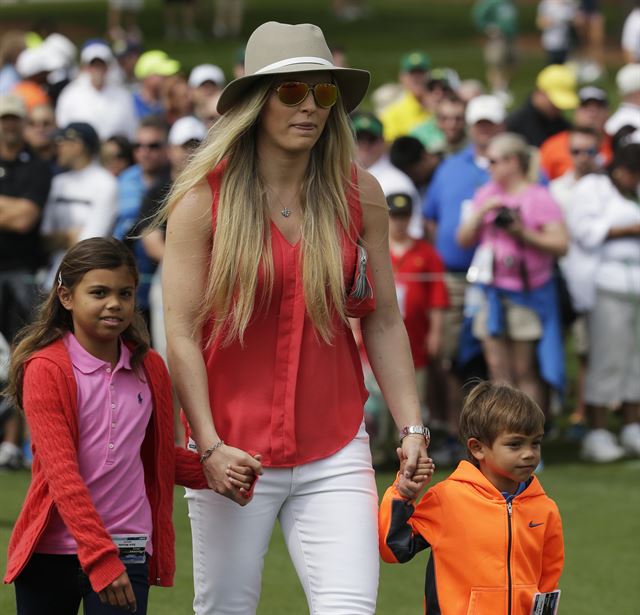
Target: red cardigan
(50,404)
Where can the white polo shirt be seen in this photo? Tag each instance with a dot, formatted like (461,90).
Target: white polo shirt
(87,200)
(110,111)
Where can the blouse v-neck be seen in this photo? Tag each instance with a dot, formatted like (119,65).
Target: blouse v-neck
(283,237)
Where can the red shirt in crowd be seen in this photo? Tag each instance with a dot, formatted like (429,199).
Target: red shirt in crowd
(420,287)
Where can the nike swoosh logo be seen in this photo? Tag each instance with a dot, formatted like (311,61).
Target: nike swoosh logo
(532,524)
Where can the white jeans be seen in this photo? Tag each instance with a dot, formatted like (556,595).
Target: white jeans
(328,513)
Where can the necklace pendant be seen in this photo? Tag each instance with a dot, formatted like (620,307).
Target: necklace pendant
(286,212)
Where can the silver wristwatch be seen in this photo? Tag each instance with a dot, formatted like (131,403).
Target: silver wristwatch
(420,430)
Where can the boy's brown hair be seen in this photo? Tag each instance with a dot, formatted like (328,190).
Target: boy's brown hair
(491,409)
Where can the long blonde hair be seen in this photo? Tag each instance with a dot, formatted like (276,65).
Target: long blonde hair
(241,246)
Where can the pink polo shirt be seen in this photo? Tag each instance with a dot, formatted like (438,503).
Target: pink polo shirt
(537,209)
(114,408)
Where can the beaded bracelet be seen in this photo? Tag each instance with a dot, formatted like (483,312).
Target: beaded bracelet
(210,451)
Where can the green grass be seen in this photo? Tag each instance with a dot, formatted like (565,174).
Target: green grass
(600,509)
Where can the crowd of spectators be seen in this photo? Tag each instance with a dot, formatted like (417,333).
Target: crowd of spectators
(510,229)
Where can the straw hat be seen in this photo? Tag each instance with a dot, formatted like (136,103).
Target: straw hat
(279,49)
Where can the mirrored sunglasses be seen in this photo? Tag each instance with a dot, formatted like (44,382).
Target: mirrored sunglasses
(292,93)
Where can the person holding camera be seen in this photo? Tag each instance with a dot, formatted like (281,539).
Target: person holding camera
(520,231)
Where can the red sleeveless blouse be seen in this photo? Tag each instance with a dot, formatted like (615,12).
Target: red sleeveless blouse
(285,393)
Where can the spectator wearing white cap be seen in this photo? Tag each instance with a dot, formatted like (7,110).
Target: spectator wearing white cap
(205,81)
(34,65)
(628,113)
(63,54)
(91,98)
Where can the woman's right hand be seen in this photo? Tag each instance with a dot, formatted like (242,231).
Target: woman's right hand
(119,593)
(230,470)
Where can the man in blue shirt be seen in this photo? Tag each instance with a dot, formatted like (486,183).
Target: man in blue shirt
(151,168)
(449,195)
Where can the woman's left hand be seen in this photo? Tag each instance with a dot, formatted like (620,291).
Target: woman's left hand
(414,447)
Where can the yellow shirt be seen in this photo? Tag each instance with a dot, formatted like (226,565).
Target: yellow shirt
(399,118)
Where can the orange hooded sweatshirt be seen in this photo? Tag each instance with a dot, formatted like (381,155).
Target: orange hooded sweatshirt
(488,556)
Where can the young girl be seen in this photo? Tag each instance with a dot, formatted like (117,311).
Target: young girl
(96,523)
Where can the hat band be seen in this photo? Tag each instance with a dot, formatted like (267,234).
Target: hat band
(297,60)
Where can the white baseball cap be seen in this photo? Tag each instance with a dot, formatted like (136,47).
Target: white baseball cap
(61,47)
(187,129)
(96,51)
(628,79)
(485,107)
(206,72)
(35,60)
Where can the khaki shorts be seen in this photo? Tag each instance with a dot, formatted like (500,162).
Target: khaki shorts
(521,323)
(453,316)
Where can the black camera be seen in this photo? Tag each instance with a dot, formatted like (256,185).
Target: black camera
(504,218)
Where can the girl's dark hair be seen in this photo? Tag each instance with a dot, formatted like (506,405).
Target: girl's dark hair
(53,320)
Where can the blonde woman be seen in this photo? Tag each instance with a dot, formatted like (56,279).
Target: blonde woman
(519,230)
(261,262)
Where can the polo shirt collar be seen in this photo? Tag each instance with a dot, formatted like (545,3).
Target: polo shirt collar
(85,362)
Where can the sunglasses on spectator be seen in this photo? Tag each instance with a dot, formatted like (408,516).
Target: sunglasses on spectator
(293,93)
(588,151)
(151,145)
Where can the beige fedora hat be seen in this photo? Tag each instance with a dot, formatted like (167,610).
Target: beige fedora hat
(278,49)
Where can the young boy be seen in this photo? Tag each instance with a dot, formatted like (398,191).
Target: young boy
(495,537)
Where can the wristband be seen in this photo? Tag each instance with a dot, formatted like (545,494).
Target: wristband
(210,451)
(418,430)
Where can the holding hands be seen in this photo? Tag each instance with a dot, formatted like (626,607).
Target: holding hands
(232,472)
(413,475)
